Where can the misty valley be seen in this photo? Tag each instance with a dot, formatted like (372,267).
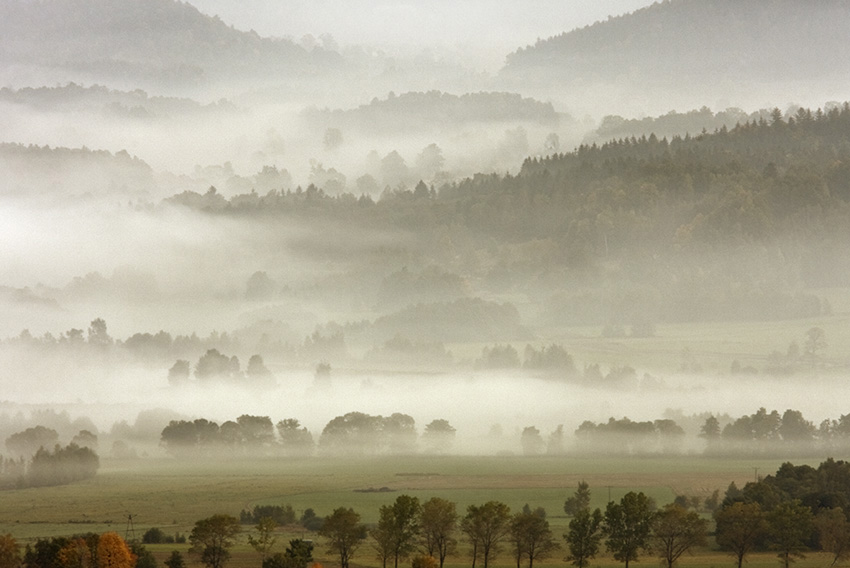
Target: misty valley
(432,284)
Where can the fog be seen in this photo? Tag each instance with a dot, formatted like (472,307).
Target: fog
(380,204)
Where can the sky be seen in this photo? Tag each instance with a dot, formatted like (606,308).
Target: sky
(487,30)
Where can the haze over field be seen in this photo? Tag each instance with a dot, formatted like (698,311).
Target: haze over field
(502,214)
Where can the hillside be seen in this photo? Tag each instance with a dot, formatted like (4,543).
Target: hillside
(678,42)
(99,99)
(728,225)
(435,109)
(164,40)
(59,173)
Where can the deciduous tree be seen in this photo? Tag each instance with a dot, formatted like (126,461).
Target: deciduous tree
(675,530)
(584,537)
(439,524)
(739,526)
(344,533)
(486,527)
(532,538)
(10,552)
(213,537)
(265,538)
(833,533)
(627,526)
(789,526)
(113,552)
(397,530)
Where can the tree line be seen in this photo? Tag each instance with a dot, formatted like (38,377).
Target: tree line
(763,432)
(352,433)
(59,466)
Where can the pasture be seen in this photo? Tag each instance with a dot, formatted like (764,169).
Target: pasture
(173,494)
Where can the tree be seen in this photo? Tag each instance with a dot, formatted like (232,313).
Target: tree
(295,439)
(344,533)
(486,527)
(532,538)
(213,537)
(265,539)
(739,526)
(430,161)
(710,430)
(97,334)
(10,552)
(627,526)
(399,433)
(153,535)
(584,537)
(215,365)
(175,560)
(257,431)
(397,529)
(815,342)
(179,372)
(675,530)
(438,521)
(394,170)
(532,441)
(795,428)
(257,371)
(78,552)
(62,465)
(789,526)
(27,442)
(580,501)
(299,553)
(85,439)
(113,552)
(45,553)
(438,436)
(144,557)
(833,533)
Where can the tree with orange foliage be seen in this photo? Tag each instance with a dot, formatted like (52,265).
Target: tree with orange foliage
(75,554)
(113,552)
(10,552)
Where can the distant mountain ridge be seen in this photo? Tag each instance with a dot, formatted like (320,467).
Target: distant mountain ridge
(164,39)
(692,39)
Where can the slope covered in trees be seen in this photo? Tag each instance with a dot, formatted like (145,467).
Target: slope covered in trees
(733,224)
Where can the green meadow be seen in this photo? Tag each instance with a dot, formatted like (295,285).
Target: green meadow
(172,494)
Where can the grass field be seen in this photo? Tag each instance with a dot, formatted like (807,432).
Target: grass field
(173,494)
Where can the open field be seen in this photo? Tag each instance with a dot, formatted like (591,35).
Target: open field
(172,494)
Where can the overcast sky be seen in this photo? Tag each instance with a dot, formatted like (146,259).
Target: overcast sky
(496,26)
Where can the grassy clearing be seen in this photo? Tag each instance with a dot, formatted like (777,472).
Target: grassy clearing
(173,494)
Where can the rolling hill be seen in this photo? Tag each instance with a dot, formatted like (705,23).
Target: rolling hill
(745,52)
(161,40)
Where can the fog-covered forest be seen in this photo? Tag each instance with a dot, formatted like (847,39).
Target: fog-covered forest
(599,231)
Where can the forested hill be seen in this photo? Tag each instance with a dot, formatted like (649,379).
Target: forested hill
(687,40)
(436,109)
(765,203)
(158,39)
